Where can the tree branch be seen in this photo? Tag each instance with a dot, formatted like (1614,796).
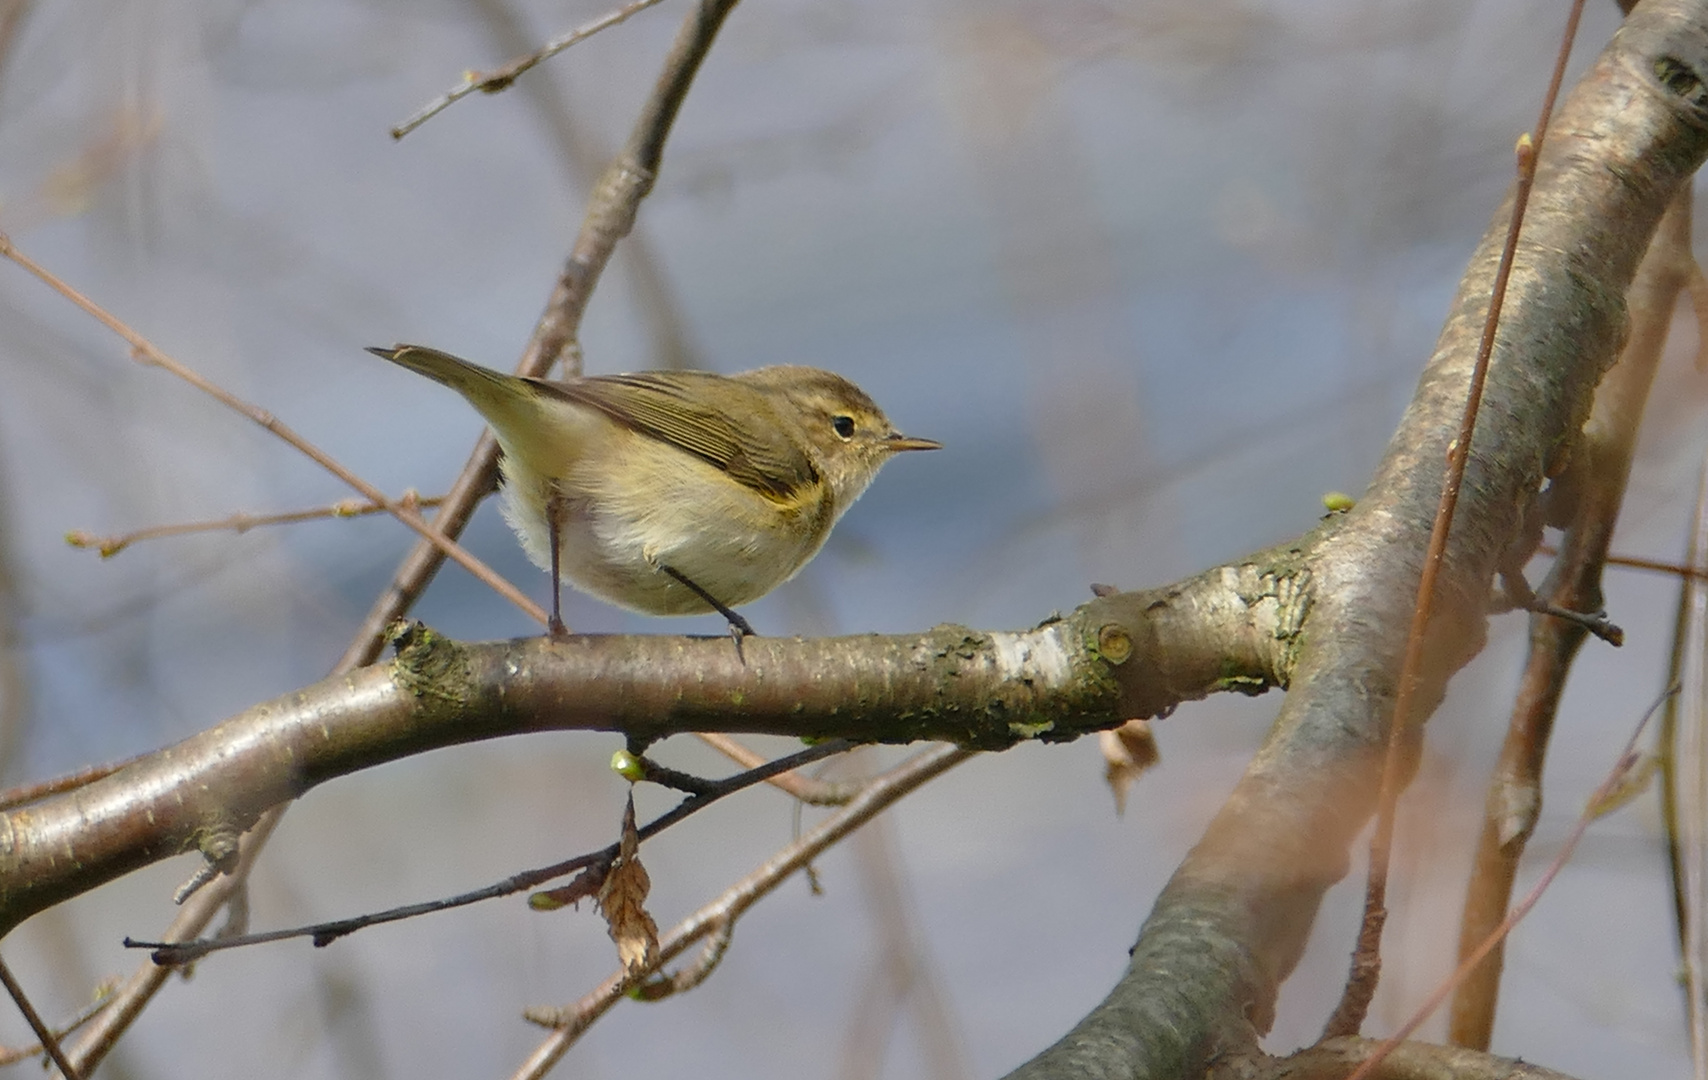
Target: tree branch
(1231,924)
(1117,657)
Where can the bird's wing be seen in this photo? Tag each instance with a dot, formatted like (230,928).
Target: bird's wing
(670,406)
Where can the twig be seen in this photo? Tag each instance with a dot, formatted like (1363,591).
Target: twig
(554,336)
(145,352)
(323,934)
(109,546)
(44,1034)
(29,793)
(1658,566)
(718,915)
(1689,788)
(805,788)
(901,974)
(610,215)
(1593,490)
(1592,807)
(584,157)
(11,1055)
(500,80)
(1348,1016)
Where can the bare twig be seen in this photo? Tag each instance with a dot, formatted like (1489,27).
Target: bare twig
(1689,789)
(901,980)
(614,202)
(1635,562)
(1239,911)
(109,546)
(145,352)
(718,916)
(495,81)
(44,1034)
(1366,966)
(184,952)
(580,147)
(610,215)
(11,1055)
(29,793)
(1592,491)
(805,788)
(1627,759)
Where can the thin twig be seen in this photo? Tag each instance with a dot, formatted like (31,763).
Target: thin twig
(145,352)
(495,81)
(109,546)
(44,1034)
(571,1021)
(29,793)
(805,788)
(325,933)
(1690,787)
(1348,1016)
(1591,493)
(613,202)
(1659,566)
(1591,811)
(11,1055)
(611,211)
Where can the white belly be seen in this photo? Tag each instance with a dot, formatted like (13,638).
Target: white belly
(732,542)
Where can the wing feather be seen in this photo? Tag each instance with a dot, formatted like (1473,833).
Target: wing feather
(671,406)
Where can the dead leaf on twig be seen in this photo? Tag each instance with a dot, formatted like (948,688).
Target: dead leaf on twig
(1127,751)
(622,900)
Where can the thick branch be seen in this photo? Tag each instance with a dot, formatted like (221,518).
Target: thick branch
(1234,919)
(1118,657)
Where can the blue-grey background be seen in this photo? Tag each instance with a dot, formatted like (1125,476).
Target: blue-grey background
(1159,274)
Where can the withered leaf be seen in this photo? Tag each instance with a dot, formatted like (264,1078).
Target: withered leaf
(622,900)
(1127,751)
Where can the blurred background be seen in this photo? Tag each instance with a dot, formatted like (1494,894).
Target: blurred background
(1158,273)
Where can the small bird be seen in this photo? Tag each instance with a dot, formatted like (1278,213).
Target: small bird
(674,492)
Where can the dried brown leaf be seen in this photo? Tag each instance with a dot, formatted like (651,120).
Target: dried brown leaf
(585,884)
(622,900)
(1127,751)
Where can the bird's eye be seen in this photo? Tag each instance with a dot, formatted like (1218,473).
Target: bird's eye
(844,426)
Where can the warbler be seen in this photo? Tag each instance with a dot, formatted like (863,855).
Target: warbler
(674,492)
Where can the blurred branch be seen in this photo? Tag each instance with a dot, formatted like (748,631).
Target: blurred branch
(610,212)
(12,14)
(1608,795)
(1335,1059)
(716,919)
(109,546)
(1131,654)
(1587,506)
(44,1034)
(1405,727)
(500,80)
(144,351)
(1233,921)
(11,1055)
(1685,786)
(14,678)
(902,974)
(585,160)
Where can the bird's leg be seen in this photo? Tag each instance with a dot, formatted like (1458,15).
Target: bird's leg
(554,533)
(738,626)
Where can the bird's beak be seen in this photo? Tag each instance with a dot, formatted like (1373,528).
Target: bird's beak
(903,442)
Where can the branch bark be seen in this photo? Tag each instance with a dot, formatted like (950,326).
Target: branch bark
(1231,924)
(1118,657)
